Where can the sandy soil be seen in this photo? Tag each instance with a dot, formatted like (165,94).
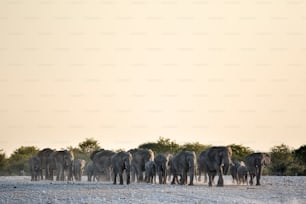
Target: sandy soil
(273,190)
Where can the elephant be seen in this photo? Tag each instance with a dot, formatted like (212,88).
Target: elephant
(162,166)
(150,172)
(44,159)
(89,171)
(63,162)
(234,171)
(78,168)
(51,165)
(242,173)
(201,169)
(169,172)
(35,167)
(255,163)
(182,163)
(216,161)
(121,162)
(140,157)
(102,163)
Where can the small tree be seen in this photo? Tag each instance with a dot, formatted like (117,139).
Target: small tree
(281,160)
(18,161)
(3,162)
(163,145)
(89,145)
(239,152)
(196,147)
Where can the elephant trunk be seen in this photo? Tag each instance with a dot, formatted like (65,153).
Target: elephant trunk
(128,172)
(225,164)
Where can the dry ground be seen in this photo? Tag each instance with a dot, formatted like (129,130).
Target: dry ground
(273,190)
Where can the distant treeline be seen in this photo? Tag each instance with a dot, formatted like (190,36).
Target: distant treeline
(284,160)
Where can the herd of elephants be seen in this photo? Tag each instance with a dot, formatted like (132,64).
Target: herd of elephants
(141,165)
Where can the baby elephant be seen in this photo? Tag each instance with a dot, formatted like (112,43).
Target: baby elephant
(150,172)
(242,173)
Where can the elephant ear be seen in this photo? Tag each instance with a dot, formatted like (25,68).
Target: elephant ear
(213,155)
(257,161)
(220,158)
(266,159)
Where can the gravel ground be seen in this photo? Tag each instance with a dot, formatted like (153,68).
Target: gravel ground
(273,190)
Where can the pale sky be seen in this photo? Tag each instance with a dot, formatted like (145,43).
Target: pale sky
(126,72)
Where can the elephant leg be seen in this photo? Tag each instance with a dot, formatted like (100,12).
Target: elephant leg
(210,177)
(140,176)
(258,180)
(41,174)
(220,180)
(149,179)
(183,178)
(58,174)
(258,172)
(146,177)
(47,174)
(191,179)
(121,178)
(50,174)
(174,179)
(161,177)
(165,178)
(70,175)
(115,177)
(251,179)
(199,175)
(62,175)
(205,177)
(133,175)
(128,178)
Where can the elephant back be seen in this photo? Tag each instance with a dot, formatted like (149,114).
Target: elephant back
(44,155)
(103,155)
(182,160)
(91,156)
(102,160)
(141,156)
(252,159)
(120,159)
(214,153)
(161,159)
